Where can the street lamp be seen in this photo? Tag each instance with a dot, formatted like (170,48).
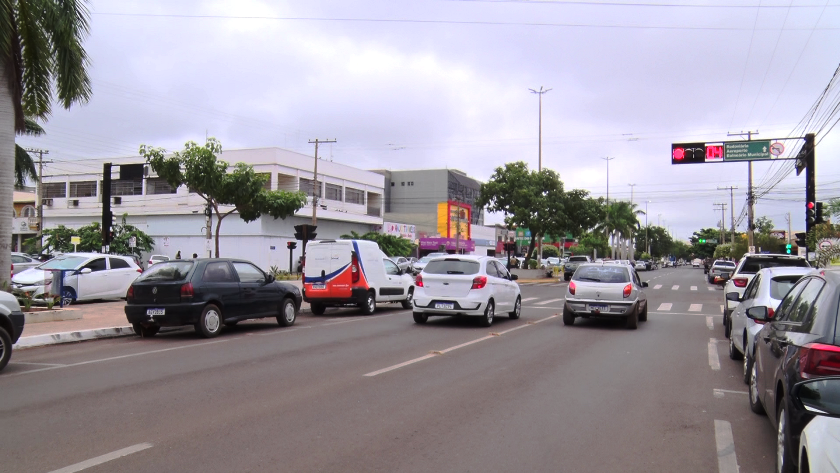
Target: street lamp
(647,242)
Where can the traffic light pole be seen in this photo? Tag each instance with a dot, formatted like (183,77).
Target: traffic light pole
(106,206)
(810,179)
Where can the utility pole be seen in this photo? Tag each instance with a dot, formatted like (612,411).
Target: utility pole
(731,208)
(540,93)
(632,186)
(608,159)
(40,188)
(647,242)
(722,222)
(750,195)
(316,191)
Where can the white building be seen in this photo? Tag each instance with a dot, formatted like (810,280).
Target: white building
(351,201)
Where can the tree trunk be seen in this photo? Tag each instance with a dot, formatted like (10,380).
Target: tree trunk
(530,249)
(7,174)
(219,218)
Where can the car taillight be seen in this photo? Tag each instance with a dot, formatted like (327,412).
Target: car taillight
(129,296)
(479,282)
(572,287)
(819,359)
(740,282)
(354,268)
(187,291)
(627,290)
(139,270)
(418,281)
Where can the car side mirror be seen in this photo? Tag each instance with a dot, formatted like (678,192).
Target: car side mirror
(818,396)
(733,296)
(269,278)
(514,277)
(645,284)
(85,271)
(759,313)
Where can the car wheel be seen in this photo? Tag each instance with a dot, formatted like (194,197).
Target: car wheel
(407,303)
(145,331)
(420,318)
(68,296)
(209,322)
(784,462)
(747,366)
(368,305)
(517,309)
(5,348)
(643,314)
(568,317)
(755,402)
(288,313)
(726,327)
(633,320)
(489,313)
(317,309)
(734,354)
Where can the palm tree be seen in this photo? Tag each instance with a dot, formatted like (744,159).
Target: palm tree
(40,50)
(24,165)
(620,225)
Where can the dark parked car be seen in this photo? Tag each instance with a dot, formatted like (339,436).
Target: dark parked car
(207,293)
(800,341)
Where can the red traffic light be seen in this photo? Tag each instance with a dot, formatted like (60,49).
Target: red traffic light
(811,205)
(679,154)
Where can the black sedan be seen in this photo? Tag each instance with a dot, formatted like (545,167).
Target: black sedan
(800,341)
(207,293)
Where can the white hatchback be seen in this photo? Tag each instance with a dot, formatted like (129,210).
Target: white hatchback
(466,285)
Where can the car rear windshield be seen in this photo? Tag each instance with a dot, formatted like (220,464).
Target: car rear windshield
(577,258)
(614,274)
(753,264)
(64,262)
(168,271)
(452,266)
(780,286)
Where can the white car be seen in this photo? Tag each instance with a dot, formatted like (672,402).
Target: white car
(466,285)
(640,266)
(819,444)
(421,263)
(88,276)
(767,288)
(22,262)
(157,259)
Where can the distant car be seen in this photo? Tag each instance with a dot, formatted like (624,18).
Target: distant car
(157,259)
(718,268)
(88,276)
(421,263)
(477,286)
(21,262)
(207,293)
(696,262)
(767,288)
(819,445)
(641,266)
(11,326)
(606,290)
(403,263)
(571,266)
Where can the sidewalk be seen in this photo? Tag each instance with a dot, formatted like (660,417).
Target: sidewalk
(101,319)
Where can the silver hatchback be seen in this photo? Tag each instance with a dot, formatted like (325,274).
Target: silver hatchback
(606,290)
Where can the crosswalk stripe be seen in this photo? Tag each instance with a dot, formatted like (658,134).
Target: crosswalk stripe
(529,299)
(695,307)
(549,301)
(721,307)
(675,288)
(658,286)
(665,306)
(711,289)
(693,288)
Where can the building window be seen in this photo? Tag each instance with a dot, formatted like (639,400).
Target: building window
(354,196)
(127,187)
(333,192)
(307,186)
(28,211)
(54,190)
(267,177)
(83,189)
(392,184)
(158,185)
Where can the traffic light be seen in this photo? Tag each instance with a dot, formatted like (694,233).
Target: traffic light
(701,240)
(818,218)
(305,232)
(810,215)
(291,245)
(788,248)
(800,239)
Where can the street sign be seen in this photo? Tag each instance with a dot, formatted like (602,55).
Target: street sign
(132,242)
(712,240)
(746,150)
(825,244)
(751,249)
(802,251)
(208,244)
(777,148)
(74,240)
(165,241)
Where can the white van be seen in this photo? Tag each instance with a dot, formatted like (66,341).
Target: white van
(352,272)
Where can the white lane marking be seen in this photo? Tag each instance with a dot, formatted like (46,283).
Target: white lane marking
(112,358)
(711,288)
(714,361)
(685,313)
(725,443)
(103,458)
(693,288)
(718,393)
(695,307)
(447,350)
(658,286)
(674,288)
(529,299)
(721,307)
(665,306)
(33,363)
(549,301)
(555,285)
(710,323)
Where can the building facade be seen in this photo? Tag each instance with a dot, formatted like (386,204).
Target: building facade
(350,199)
(24,219)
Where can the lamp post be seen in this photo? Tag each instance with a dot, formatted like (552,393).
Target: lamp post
(647,241)
(612,248)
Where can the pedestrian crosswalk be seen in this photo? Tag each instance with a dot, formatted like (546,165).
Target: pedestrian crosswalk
(687,308)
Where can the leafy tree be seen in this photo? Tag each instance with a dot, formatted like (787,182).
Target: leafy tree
(833,208)
(763,225)
(122,235)
(723,251)
(225,191)
(41,53)
(661,243)
(550,251)
(90,239)
(589,242)
(391,245)
(704,250)
(620,224)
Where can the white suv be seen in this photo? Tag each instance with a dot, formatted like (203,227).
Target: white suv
(747,267)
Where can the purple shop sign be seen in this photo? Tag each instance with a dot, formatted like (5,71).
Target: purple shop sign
(448,243)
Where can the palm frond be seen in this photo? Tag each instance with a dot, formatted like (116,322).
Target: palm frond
(32,127)
(24,167)
(10,52)
(68,26)
(37,59)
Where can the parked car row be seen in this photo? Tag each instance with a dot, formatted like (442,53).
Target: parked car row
(783,326)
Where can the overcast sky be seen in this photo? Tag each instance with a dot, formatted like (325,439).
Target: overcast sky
(445,83)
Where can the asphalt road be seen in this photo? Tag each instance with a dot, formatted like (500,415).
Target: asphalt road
(344,392)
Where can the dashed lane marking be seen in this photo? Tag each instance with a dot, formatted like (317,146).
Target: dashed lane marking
(695,307)
(674,288)
(104,458)
(718,393)
(710,322)
(714,360)
(658,286)
(665,306)
(725,442)
(529,299)
(721,307)
(711,288)
(549,301)
(693,288)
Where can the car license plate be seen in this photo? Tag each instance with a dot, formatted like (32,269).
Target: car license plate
(444,305)
(599,307)
(152,312)
(319,286)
